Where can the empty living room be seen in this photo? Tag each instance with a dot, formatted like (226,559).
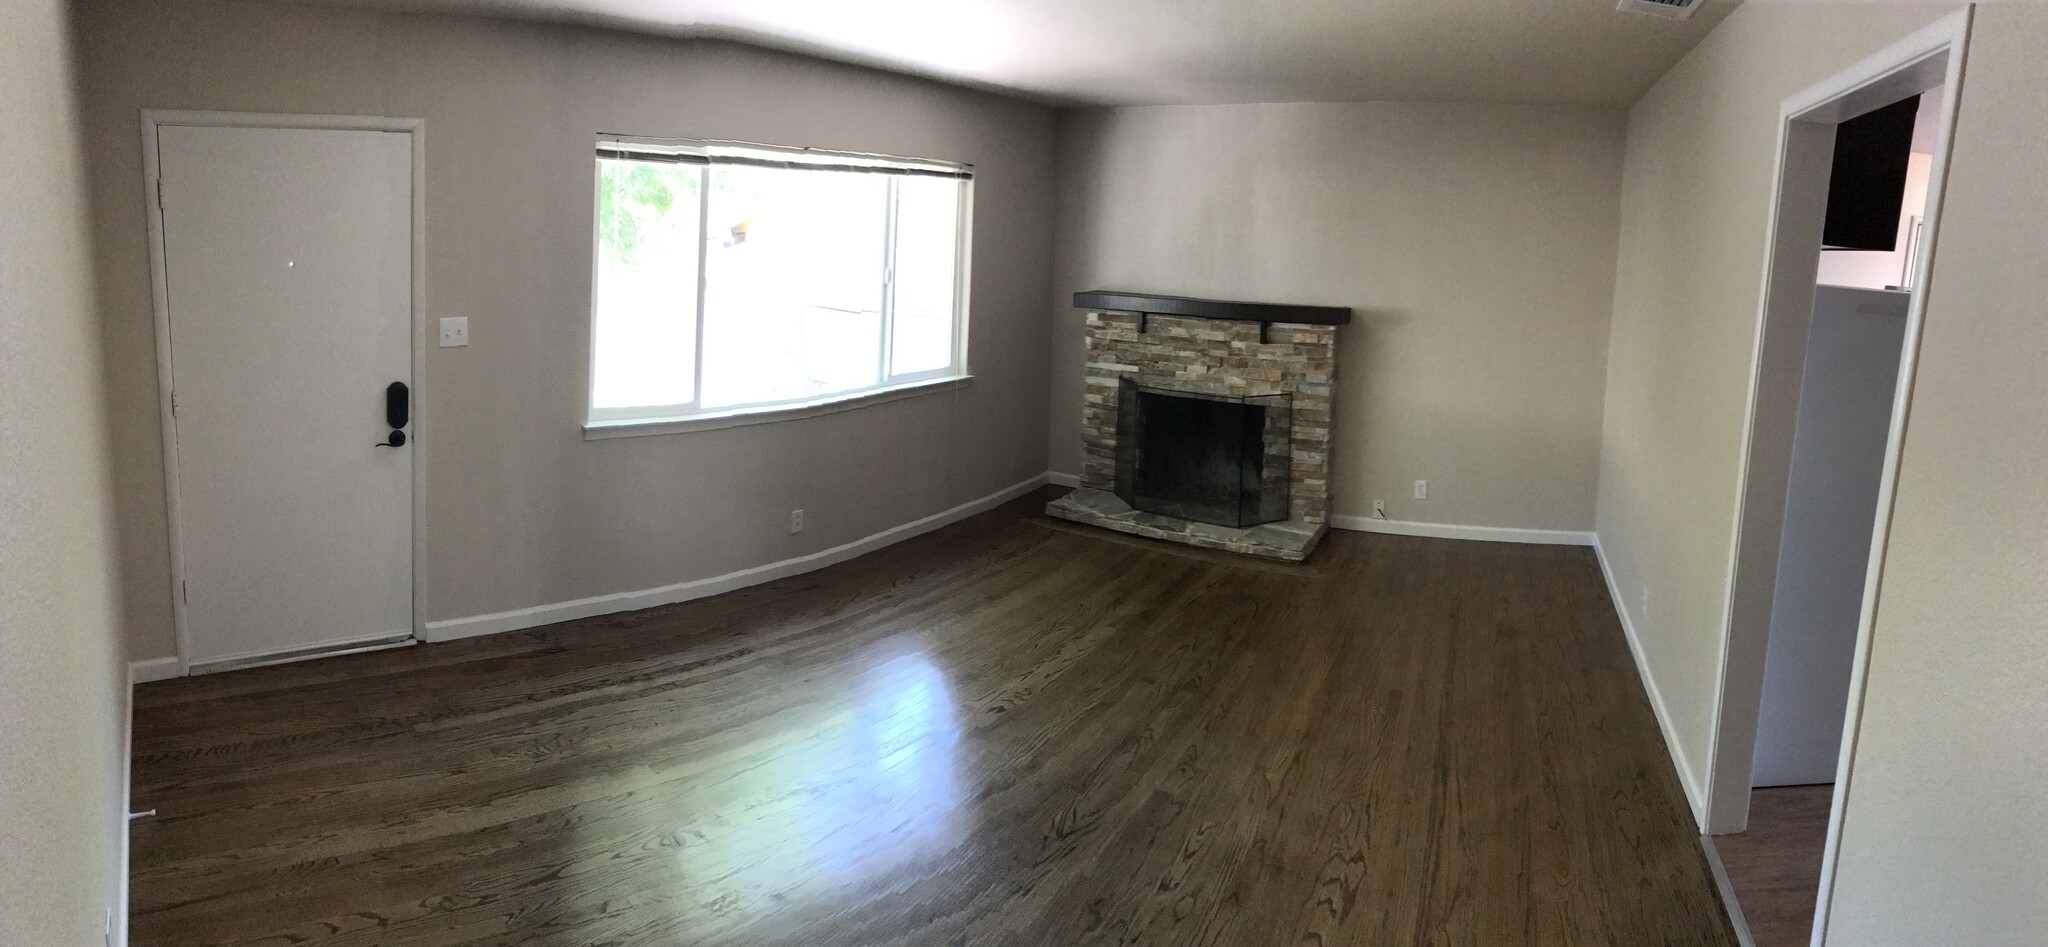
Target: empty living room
(876,473)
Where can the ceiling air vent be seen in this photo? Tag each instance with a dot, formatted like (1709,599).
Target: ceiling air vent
(1668,9)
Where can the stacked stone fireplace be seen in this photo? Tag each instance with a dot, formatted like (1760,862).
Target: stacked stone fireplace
(1207,423)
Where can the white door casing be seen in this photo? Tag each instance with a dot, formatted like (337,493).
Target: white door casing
(287,262)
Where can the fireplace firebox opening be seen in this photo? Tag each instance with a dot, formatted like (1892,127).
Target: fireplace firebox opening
(1203,457)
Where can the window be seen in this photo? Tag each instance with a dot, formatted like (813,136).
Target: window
(730,279)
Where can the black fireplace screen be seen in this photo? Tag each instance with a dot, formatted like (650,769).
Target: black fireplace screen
(1206,458)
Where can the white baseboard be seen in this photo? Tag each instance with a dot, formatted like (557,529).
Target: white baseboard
(1492,534)
(1058,479)
(516,619)
(154,669)
(1694,796)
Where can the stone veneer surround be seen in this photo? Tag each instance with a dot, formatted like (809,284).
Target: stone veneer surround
(1217,357)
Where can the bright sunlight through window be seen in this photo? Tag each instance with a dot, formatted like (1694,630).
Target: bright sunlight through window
(732,278)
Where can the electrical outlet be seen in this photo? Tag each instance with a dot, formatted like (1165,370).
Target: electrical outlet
(455,332)
(1422,489)
(796,521)
(1379,509)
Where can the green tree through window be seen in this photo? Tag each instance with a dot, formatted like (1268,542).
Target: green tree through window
(635,200)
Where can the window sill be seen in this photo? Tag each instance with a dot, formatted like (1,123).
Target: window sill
(768,414)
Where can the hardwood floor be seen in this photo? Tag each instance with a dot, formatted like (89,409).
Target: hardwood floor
(1774,866)
(1010,731)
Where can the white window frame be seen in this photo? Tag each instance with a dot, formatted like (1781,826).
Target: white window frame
(690,416)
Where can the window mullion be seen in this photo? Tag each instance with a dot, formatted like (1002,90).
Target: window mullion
(963,241)
(703,280)
(886,356)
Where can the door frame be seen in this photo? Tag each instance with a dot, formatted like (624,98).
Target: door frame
(1806,125)
(152,120)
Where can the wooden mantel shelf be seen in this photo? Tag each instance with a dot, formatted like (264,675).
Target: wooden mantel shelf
(1148,304)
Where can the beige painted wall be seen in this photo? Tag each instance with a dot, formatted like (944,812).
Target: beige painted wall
(1946,835)
(1474,242)
(1696,193)
(521,510)
(61,684)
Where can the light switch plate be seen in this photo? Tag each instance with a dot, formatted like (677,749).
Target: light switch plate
(455,332)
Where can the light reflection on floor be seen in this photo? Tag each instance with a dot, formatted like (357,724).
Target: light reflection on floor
(868,784)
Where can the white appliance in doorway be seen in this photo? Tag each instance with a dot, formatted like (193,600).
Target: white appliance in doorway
(286,256)
(1847,388)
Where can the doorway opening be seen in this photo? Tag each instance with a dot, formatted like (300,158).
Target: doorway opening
(1861,164)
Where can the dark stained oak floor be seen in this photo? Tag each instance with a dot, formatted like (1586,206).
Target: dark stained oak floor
(1774,865)
(1008,732)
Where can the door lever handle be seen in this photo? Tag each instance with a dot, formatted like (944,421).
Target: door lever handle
(397,440)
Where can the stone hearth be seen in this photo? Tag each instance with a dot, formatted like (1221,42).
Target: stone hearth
(1288,540)
(1223,357)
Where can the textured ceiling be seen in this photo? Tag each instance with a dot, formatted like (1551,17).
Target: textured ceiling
(1127,52)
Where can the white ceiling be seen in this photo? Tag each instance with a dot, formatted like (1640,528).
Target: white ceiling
(1127,52)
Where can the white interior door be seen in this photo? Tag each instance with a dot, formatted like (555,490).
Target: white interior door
(288,271)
